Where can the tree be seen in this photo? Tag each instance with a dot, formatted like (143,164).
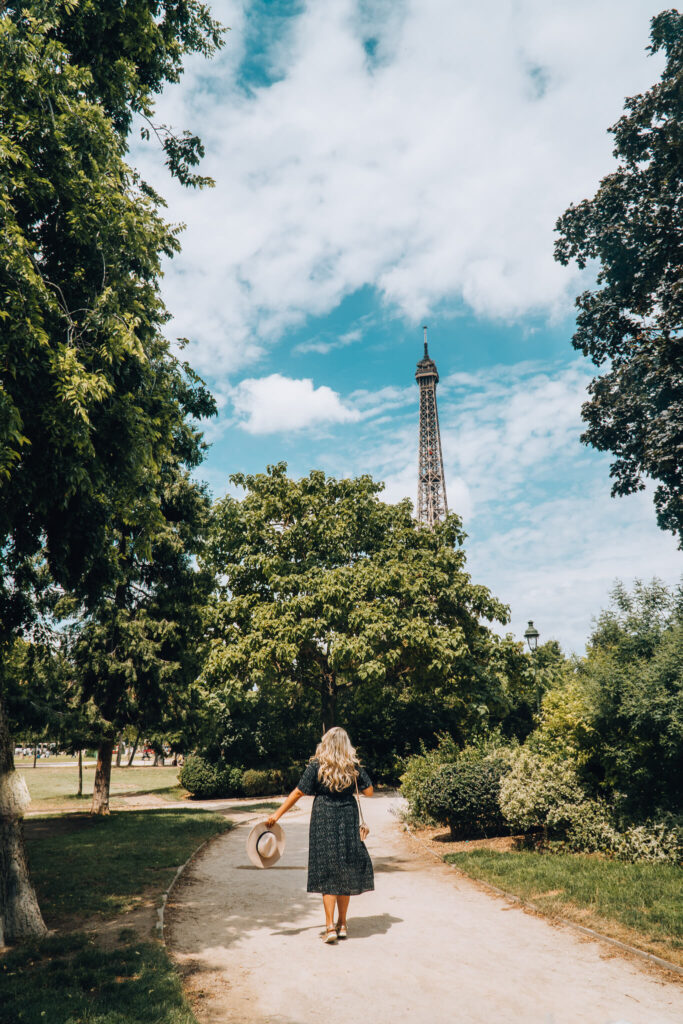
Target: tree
(327,594)
(633,319)
(633,681)
(83,427)
(137,653)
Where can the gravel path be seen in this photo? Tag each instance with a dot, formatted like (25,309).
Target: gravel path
(425,946)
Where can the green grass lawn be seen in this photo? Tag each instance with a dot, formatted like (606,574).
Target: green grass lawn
(106,865)
(84,868)
(54,786)
(68,980)
(636,903)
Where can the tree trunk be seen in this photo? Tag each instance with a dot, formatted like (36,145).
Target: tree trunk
(35,754)
(100,793)
(329,695)
(80,773)
(134,750)
(20,916)
(119,750)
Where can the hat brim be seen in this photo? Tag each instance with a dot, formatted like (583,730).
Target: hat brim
(252,845)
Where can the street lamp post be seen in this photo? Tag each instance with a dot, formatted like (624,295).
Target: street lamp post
(531,636)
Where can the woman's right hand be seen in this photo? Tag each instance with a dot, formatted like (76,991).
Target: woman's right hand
(271,821)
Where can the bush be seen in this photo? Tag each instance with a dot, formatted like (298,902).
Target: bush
(232,781)
(257,782)
(592,831)
(419,770)
(464,795)
(540,793)
(201,779)
(206,781)
(458,788)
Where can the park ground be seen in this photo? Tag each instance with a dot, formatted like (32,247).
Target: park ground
(241,938)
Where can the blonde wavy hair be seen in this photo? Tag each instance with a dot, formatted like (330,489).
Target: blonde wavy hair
(337,760)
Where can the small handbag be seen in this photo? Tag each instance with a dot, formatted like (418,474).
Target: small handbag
(364,830)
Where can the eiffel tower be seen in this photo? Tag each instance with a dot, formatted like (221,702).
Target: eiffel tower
(431,484)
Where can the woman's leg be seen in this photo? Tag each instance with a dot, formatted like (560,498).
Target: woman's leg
(342,908)
(329,904)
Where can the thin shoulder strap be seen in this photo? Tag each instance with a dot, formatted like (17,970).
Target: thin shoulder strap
(360,806)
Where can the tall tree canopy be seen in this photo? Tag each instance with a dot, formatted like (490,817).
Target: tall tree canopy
(633,319)
(329,596)
(96,414)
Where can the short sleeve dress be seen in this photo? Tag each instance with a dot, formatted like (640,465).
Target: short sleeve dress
(338,861)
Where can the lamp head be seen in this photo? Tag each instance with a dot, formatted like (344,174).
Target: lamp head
(531,636)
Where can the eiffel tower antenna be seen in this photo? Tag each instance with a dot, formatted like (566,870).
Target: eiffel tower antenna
(431,484)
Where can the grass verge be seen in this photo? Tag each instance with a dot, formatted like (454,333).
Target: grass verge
(86,868)
(635,903)
(83,866)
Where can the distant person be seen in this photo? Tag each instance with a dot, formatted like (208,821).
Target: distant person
(339,864)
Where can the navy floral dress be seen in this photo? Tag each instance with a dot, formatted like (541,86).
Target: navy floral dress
(338,862)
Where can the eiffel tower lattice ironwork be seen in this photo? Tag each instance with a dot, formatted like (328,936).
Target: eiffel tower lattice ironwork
(431,484)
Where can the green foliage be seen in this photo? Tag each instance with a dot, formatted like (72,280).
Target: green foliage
(633,681)
(634,318)
(260,783)
(93,406)
(458,787)
(464,795)
(540,793)
(591,829)
(419,769)
(334,606)
(204,780)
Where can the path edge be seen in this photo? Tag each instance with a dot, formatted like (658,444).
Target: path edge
(161,909)
(650,957)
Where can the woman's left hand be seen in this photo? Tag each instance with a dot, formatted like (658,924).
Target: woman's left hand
(271,821)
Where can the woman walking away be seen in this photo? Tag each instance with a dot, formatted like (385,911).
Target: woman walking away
(339,864)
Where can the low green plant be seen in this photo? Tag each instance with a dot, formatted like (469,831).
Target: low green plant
(201,779)
(540,793)
(458,787)
(464,795)
(257,782)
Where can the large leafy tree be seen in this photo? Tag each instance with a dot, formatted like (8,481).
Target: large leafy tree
(332,601)
(632,679)
(92,404)
(137,652)
(632,322)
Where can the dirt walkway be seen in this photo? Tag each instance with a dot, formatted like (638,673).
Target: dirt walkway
(425,946)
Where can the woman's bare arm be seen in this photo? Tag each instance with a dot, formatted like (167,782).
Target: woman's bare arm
(369,791)
(295,795)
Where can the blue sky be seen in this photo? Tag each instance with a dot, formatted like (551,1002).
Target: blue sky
(384,163)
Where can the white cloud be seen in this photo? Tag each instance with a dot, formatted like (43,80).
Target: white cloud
(275,403)
(433,170)
(510,436)
(323,346)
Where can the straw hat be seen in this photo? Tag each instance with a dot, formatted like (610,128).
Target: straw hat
(265,845)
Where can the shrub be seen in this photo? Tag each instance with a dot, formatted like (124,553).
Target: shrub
(464,795)
(232,781)
(458,788)
(201,779)
(540,793)
(256,782)
(206,781)
(419,770)
(286,778)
